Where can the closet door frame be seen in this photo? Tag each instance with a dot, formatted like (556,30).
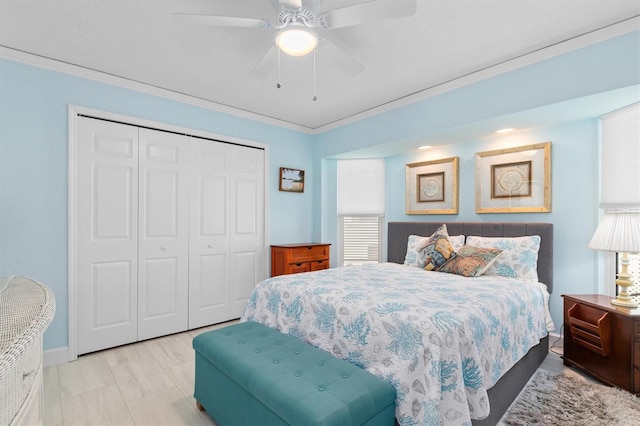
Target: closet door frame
(72,246)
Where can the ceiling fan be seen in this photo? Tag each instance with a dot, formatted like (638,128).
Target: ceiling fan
(299,21)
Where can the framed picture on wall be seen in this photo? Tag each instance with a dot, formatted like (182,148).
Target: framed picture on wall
(514,180)
(431,187)
(291,180)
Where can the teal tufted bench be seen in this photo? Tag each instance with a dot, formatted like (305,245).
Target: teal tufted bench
(250,374)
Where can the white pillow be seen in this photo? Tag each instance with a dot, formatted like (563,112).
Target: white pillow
(457,241)
(415,256)
(519,258)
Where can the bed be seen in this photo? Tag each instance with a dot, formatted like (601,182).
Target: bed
(457,358)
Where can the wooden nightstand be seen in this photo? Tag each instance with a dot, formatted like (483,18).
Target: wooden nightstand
(603,339)
(294,258)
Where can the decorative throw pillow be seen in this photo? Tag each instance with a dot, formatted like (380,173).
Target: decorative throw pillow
(457,241)
(471,261)
(437,249)
(519,258)
(414,257)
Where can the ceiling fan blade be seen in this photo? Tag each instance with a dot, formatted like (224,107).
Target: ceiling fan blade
(342,58)
(222,21)
(265,64)
(364,13)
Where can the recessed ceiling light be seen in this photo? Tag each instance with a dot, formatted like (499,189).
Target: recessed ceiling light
(502,131)
(424,147)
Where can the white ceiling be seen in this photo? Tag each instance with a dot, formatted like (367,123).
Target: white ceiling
(445,40)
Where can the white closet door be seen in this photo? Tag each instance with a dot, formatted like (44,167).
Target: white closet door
(163,233)
(107,234)
(209,234)
(226,252)
(246,243)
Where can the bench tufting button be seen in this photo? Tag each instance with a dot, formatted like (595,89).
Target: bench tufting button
(298,374)
(228,333)
(275,361)
(297,352)
(241,342)
(321,388)
(345,376)
(279,343)
(321,363)
(257,351)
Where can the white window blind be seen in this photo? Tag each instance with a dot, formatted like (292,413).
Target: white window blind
(360,239)
(361,193)
(361,187)
(620,133)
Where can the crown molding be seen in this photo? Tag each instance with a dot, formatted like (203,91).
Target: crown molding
(596,36)
(102,77)
(583,40)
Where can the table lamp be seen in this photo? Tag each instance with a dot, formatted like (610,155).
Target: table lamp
(619,231)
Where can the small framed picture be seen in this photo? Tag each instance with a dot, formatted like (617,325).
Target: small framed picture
(291,180)
(431,187)
(514,180)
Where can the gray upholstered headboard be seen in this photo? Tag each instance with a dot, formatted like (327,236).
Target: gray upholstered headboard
(398,233)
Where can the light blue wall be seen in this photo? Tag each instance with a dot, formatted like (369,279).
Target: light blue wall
(33,168)
(597,68)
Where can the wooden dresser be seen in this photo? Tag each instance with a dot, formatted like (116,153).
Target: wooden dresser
(295,258)
(603,339)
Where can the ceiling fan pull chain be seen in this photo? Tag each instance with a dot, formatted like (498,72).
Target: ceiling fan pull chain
(315,98)
(278,85)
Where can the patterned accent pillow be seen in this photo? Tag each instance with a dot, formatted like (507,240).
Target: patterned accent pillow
(471,261)
(437,249)
(416,256)
(519,258)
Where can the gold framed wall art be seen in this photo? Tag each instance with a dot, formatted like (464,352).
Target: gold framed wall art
(514,180)
(431,187)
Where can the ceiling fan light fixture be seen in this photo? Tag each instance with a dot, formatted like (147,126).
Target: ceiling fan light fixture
(296,41)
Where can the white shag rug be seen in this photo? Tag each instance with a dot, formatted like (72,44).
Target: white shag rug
(558,399)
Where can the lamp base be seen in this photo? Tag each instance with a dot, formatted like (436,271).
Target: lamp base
(626,303)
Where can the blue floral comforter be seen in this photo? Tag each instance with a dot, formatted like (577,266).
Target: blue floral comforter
(440,339)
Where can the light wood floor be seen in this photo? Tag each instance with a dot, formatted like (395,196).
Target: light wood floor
(146,383)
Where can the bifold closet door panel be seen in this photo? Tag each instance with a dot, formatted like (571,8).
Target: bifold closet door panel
(226,231)
(163,275)
(107,234)
(209,234)
(246,244)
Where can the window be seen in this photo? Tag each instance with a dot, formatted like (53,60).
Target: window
(634,271)
(361,189)
(360,241)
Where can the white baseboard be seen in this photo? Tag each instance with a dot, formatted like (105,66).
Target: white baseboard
(56,356)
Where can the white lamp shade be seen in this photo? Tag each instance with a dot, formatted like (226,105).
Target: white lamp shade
(620,132)
(619,232)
